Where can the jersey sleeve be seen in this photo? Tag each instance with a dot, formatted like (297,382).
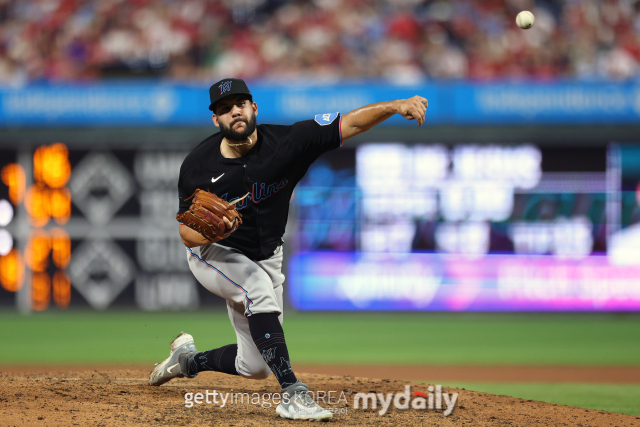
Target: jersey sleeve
(317,136)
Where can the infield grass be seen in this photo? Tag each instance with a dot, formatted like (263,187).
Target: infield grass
(620,398)
(128,337)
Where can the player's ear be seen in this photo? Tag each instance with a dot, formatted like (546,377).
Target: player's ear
(214,119)
(255,108)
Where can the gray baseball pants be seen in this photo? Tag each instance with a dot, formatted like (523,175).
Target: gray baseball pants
(250,287)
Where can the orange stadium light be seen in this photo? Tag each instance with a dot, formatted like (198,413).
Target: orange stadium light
(38,164)
(38,204)
(60,247)
(40,291)
(61,289)
(60,205)
(51,165)
(12,271)
(37,251)
(13,176)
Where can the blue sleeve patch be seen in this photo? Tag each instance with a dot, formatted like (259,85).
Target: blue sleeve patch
(325,119)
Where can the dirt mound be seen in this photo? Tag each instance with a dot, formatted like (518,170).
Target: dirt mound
(107,397)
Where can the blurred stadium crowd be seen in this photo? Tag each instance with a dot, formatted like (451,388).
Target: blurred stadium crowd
(403,41)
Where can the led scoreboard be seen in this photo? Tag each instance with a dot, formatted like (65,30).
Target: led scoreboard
(46,203)
(71,232)
(469,227)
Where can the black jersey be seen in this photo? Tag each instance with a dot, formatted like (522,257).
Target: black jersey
(268,173)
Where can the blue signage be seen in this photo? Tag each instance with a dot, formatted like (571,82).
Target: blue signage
(462,103)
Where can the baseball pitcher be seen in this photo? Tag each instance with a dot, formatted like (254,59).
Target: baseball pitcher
(234,190)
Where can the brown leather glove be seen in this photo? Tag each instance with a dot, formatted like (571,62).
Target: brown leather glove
(206,213)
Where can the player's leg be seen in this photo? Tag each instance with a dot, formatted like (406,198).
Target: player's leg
(221,359)
(248,288)
(220,270)
(267,330)
(242,358)
(249,362)
(253,291)
(254,363)
(262,294)
(254,294)
(265,325)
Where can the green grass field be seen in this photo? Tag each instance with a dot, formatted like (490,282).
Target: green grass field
(621,398)
(342,338)
(133,337)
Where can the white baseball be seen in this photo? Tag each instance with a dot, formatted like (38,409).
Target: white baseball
(525,19)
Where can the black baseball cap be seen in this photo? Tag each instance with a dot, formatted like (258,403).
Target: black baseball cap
(226,87)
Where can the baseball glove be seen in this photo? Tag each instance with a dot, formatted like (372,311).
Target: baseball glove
(206,213)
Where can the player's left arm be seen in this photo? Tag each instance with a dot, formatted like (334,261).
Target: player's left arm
(364,118)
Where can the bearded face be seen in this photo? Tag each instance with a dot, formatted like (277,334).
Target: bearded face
(232,135)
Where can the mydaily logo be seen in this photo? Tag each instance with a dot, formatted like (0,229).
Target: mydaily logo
(336,400)
(403,401)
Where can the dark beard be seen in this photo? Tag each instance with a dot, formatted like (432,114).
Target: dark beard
(232,135)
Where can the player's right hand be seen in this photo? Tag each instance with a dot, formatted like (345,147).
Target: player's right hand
(413,108)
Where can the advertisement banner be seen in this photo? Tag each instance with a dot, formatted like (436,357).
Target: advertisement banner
(153,103)
(449,282)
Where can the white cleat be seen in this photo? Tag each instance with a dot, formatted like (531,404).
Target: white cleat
(174,366)
(298,405)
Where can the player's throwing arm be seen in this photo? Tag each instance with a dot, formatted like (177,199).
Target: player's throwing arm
(363,119)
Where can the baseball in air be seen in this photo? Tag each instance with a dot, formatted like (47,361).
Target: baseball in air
(525,20)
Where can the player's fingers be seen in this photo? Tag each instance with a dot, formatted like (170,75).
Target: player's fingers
(416,115)
(417,103)
(421,100)
(422,109)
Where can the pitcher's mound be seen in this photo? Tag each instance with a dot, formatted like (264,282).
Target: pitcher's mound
(111,396)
